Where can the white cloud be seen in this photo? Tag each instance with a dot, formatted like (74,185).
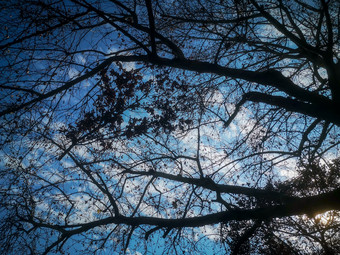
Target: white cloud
(129,66)
(210,231)
(80,59)
(73,73)
(287,169)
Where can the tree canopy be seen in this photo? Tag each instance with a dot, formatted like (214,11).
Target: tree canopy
(170,127)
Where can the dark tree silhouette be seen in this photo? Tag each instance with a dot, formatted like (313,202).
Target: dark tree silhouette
(170,127)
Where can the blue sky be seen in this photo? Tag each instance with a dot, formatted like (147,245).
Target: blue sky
(64,192)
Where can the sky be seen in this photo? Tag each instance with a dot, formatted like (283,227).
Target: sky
(212,140)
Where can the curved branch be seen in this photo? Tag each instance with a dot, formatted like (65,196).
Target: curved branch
(270,78)
(56,91)
(309,206)
(208,183)
(323,111)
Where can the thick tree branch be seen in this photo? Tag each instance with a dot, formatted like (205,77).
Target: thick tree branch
(327,112)
(56,91)
(270,78)
(309,51)
(309,206)
(208,183)
(152,27)
(245,236)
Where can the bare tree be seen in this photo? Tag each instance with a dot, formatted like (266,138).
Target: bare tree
(170,126)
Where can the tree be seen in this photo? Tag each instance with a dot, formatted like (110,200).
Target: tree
(181,124)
